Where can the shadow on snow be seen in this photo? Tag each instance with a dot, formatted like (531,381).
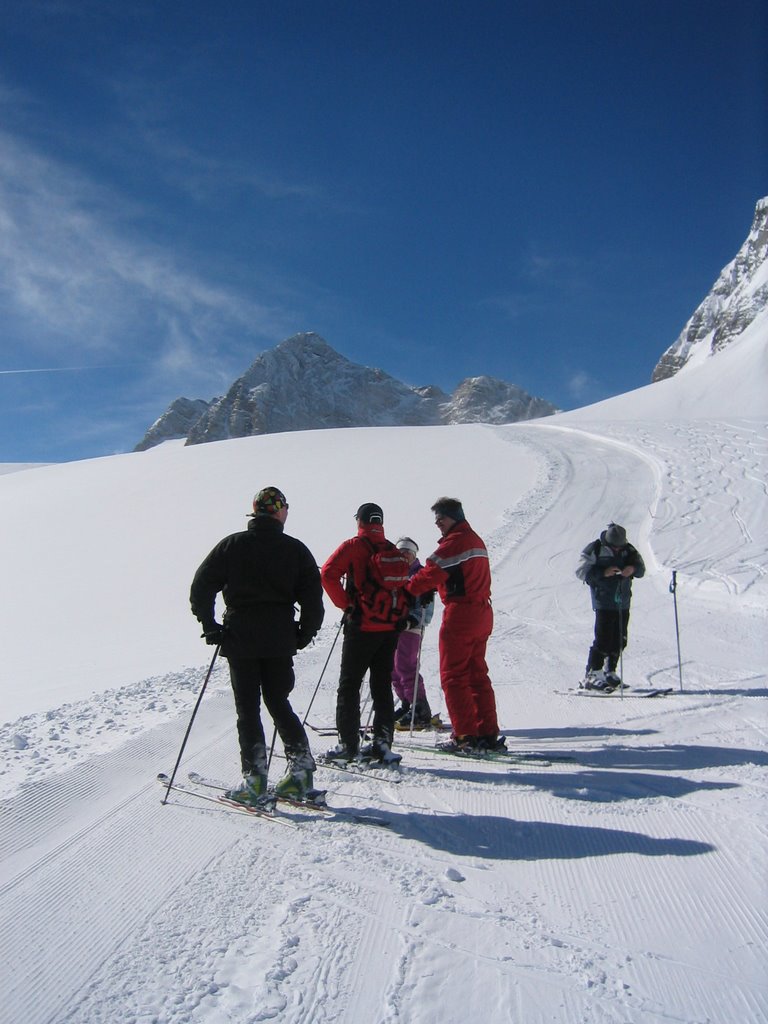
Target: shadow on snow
(586,784)
(495,838)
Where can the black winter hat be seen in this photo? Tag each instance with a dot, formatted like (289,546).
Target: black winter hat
(370,513)
(615,535)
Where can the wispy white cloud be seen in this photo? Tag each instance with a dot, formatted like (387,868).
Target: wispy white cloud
(581,385)
(74,269)
(562,272)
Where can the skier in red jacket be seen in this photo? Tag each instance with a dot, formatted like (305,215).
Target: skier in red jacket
(371,627)
(460,573)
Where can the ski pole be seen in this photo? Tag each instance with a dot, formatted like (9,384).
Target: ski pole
(619,598)
(673,592)
(189,727)
(271,748)
(415,693)
(367,704)
(621,651)
(325,666)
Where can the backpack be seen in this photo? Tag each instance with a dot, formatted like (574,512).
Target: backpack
(381,593)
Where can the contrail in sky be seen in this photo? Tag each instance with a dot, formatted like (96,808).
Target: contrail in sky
(69,369)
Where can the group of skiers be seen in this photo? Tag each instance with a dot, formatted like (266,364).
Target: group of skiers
(387,598)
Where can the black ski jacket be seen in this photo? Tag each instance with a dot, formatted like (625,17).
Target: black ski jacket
(609,592)
(261,573)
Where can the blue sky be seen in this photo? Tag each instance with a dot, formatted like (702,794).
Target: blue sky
(542,193)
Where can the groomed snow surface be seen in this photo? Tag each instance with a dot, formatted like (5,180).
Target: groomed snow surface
(624,884)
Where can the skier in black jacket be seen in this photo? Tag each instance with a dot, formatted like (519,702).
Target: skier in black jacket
(262,573)
(608,565)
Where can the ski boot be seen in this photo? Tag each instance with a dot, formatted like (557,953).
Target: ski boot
(340,754)
(594,680)
(296,784)
(251,791)
(613,681)
(403,713)
(381,751)
(458,745)
(493,744)
(422,718)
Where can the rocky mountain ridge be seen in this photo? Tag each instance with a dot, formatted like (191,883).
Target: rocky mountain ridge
(304,384)
(738,299)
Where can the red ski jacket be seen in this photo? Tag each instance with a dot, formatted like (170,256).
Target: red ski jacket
(458,569)
(350,562)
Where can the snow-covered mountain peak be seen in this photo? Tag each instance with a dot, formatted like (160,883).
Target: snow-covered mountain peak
(738,300)
(304,384)
(488,400)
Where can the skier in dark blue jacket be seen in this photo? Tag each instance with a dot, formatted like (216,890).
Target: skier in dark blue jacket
(608,566)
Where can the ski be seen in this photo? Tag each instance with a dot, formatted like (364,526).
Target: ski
(314,801)
(368,769)
(494,756)
(267,811)
(327,730)
(617,693)
(438,726)
(330,730)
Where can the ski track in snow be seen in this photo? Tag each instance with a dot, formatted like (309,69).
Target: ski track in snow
(496,886)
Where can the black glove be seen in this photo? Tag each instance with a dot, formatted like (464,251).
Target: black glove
(214,634)
(427,598)
(303,639)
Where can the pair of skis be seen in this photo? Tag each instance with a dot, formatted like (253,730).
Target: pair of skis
(582,691)
(203,788)
(507,757)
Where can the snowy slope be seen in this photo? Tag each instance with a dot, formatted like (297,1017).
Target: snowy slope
(624,886)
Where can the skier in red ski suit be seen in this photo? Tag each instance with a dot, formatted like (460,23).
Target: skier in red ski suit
(460,572)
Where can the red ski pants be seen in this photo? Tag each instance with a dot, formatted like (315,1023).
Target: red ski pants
(464,677)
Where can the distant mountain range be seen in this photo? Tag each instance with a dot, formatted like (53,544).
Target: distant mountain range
(304,384)
(737,300)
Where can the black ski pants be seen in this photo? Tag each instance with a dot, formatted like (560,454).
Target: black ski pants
(273,679)
(610,638)
(361,652)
